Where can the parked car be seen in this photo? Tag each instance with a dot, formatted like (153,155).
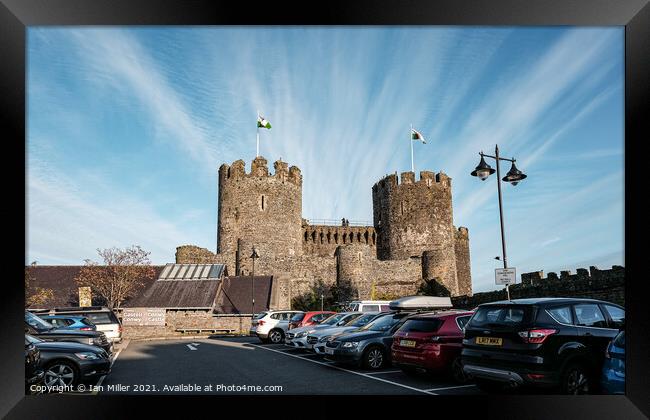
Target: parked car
(72,322)
(305,319)
(271,326)
(103,318)
(370,345)
(612,379)
(432,342)
(33,373)
(297,337)
(352,325)
(39,328)
(552,342)
(346,317)
(67,364)
(368,306)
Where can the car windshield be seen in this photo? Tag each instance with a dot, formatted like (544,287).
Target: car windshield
(362,320)
(383,323)
(501,317)
(298,317)
(332,319)
(423,325)
(101,318)
(349,319)
(36,322)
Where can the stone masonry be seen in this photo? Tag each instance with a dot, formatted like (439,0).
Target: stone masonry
(412,238)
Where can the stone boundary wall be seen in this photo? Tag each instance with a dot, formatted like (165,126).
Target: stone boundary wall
(607,285)
(188,319)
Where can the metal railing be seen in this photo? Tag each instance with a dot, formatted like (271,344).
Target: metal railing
(338,222)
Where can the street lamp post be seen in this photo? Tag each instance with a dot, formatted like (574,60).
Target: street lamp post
(514,175)
(253,256)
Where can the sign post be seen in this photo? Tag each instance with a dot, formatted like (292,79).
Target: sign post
(505,276)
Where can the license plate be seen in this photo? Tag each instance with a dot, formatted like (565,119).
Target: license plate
(329,350)
(489,341)
(407,343)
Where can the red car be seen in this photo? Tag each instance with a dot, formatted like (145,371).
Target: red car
(432,342)
(305,319)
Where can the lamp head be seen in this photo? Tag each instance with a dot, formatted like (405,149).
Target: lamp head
(483,170)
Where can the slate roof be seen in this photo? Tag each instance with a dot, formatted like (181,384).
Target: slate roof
(197,294)
(60,279)
(235,294)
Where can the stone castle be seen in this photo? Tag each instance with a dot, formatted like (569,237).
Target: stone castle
(412,238)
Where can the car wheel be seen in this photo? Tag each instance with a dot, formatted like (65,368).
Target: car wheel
(276,336)
(61,373)
(575,380)
(457,371)
(374,358)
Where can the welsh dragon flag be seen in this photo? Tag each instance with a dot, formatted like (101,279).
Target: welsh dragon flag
(416,135)
(263,122)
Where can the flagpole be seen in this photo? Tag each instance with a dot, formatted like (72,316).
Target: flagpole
(411,140)
(258,133)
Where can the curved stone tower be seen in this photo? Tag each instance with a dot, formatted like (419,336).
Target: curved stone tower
(412,217)
(259,209)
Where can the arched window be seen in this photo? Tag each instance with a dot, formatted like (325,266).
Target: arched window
(336,237)
(358,236)
(329,237)
(321,237)
(351,237)
(373,238)
(313,236)
(365,235)
(306,236)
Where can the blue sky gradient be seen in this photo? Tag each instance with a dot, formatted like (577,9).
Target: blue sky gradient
(127,127)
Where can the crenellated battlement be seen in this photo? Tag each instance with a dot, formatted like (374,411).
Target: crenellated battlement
(428,179)
(260,169)
(462,233)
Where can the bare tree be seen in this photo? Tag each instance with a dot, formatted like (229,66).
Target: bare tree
(34,295)
(123,271)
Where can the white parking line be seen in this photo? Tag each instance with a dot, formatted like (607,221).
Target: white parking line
(191,347)
(347,370)
(99,382)
(384,372)
(450,387)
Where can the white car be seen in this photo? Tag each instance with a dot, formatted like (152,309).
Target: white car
(271,326)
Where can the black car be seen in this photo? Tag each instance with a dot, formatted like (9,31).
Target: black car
(67,364)
(368,346)
(39,328)
(551,342)
(33,372)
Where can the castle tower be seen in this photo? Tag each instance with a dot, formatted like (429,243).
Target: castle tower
(412,217)
(259,209)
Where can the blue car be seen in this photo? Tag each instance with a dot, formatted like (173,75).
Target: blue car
(613,376)
(70,322)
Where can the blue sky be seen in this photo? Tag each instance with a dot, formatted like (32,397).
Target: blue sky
(127,127)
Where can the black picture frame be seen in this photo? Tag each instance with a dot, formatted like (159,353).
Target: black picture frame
(16,15)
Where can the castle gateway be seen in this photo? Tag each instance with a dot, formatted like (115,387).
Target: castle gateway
(412,238)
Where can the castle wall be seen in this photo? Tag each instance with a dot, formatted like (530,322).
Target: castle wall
(322,240)
(358,265)
(412,217)
(259,209)
(463,268)
(607,285)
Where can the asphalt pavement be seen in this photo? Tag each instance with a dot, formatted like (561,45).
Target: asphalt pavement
(243,365)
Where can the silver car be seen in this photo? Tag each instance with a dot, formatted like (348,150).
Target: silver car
(297,337)
(317,339)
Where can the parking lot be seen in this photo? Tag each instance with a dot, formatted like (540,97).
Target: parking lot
(243,365)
